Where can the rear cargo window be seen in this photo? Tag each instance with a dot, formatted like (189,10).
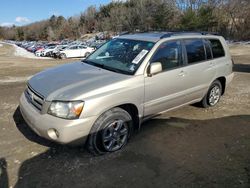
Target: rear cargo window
(217,48)
(195,50)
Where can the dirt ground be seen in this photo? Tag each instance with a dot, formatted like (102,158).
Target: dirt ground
(188,147)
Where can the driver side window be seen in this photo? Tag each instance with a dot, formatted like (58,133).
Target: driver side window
(169,54)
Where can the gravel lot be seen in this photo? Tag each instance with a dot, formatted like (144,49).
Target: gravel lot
(188,147)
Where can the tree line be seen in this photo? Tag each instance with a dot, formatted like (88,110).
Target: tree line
(229,18)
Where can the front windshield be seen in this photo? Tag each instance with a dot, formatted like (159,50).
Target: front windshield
(120,55)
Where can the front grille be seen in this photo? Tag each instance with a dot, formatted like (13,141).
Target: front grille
(34,98)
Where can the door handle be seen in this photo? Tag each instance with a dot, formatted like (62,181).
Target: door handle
(182,73)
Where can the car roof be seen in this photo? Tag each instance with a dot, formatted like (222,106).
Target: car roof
(156,36)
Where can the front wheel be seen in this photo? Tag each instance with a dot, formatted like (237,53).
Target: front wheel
(63,56)
(213,95)
(110,132)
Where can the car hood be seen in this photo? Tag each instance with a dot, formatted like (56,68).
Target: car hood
(72,81)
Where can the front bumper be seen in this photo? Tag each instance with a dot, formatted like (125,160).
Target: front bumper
(68,131)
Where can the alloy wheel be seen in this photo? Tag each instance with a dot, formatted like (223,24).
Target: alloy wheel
(115,135)
(214,95)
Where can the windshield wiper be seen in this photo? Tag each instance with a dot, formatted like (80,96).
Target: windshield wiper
(92,63)
(105,67)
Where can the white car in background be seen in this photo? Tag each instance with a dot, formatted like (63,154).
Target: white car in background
(48,50)
(76,51)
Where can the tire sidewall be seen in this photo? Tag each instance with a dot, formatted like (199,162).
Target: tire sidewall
(215,83)
(105,119)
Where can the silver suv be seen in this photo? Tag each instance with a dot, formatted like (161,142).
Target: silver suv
(102,99)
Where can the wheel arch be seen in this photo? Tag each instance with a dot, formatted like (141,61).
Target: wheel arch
(133,111)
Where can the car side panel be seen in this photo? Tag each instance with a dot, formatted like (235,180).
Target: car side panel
(164,91)
(198,78)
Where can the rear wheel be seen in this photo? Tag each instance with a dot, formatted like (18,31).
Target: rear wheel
(213,95)
(110,132)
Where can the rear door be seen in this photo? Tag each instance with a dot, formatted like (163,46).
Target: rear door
(83,51)
(78,51)
(72,51)
(200,70)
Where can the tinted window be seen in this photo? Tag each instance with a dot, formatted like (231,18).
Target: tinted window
(169,54)
(217,48)
(73,47)
(82,47)
(195,50)
(208,49)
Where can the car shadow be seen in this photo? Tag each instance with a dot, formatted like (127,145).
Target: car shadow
(241,68)
(4,180)
(167,152)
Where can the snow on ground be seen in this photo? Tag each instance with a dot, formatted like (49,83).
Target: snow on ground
(21,52)
(24,53)
(10,79)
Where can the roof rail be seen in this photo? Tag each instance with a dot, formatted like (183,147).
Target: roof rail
(169,34)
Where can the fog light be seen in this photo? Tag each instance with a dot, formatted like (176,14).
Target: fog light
(53,134)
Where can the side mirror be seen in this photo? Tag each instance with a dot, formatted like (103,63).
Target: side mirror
(154,68)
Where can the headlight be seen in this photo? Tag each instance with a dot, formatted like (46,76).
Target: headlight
(66,110)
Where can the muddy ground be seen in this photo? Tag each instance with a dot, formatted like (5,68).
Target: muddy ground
(188,147)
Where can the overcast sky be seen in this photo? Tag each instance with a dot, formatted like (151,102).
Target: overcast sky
(21,12)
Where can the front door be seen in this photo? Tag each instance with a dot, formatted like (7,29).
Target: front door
(166,90)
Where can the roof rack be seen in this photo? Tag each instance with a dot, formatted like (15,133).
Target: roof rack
(170,34)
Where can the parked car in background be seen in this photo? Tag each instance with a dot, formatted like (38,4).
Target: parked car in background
(97,44)
(57,51)
(85,46)
(39,52)
(76,51)
(47,51)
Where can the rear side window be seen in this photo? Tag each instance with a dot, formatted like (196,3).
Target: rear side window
(217,48)
(195,50)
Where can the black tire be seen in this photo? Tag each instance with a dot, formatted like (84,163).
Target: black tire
(63,56)
(97,143)
(206,102)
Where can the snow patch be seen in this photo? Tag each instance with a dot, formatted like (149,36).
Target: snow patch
(10,79)
(24,53)
(21,52)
